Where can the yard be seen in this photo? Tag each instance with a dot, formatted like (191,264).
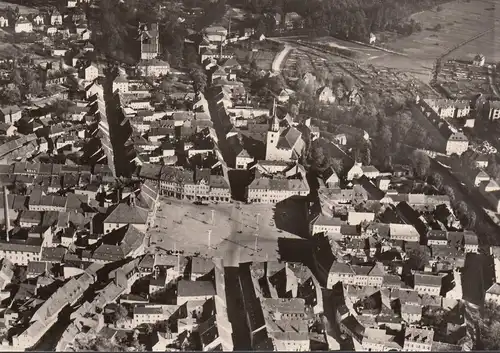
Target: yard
(230,231)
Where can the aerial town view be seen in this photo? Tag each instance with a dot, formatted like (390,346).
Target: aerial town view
(249,175)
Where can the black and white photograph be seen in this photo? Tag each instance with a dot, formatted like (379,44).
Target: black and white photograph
(249,175)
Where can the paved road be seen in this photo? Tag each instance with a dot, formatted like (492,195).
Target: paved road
(278,59)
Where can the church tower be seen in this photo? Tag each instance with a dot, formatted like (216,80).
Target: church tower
(272,135)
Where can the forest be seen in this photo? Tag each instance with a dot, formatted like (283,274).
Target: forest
(346,19)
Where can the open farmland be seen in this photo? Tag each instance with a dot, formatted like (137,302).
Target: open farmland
(460,29)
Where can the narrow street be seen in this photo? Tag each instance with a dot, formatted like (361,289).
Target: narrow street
(220,126)
(235,311)
(487,231)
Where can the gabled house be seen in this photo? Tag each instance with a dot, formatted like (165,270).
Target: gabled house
(325,95)
(56,18)
(4,22)
(284,95)
(39,20)
(23,25)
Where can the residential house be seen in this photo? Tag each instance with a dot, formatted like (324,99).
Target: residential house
(4,22)
(479,60)
(293,21)
(88,47)
(493,294)
(471,243)
(325,95)
(7,129)
(481,177)
(355,218)
(243,159)
(404,232)
(493,110)
(411,313)
(272,191)
(372,276)
(194,291)
(324,224)
(23,26)
(90,72)
(427,283)
(359,170)
(331,178)
(215,34)
(418,339)
(58,52)
(56,18)
(120,84)
(153,67)
(10,114)
(284,95)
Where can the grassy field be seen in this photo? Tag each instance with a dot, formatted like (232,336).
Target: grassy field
(23,10)
(455,23)
(186,226)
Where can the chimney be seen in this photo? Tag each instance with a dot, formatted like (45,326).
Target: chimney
(132,199)
(6,211)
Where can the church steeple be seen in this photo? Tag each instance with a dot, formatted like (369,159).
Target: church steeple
(275,124)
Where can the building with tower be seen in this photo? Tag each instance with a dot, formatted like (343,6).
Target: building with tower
(283,141)
(149,38)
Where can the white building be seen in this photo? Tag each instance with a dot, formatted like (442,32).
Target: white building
(23,26)
(479,60)
(4,22)
(120,84)
(153,67)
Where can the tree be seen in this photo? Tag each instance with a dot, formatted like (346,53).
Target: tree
(62,107)
(417,259)
(471,219)
(437,180)
(19,274)
(300,68)
(11,96)
(489,327)
(316,157)
(294,109)
(467,216)
(199,79)
(121,313)
(448,190)
(337,164)
(421,163)
(157,97)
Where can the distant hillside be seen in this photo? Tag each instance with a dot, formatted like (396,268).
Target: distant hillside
(353,19)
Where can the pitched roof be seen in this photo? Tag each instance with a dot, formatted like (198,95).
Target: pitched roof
(124,213)
(195,288)
(494,289)
(428,280)
(289,138)
(339,267)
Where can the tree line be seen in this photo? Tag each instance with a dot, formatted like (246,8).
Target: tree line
(348,19)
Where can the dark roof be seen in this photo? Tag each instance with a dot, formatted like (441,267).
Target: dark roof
(195,288)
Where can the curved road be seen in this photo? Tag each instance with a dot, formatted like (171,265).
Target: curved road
(278,59)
